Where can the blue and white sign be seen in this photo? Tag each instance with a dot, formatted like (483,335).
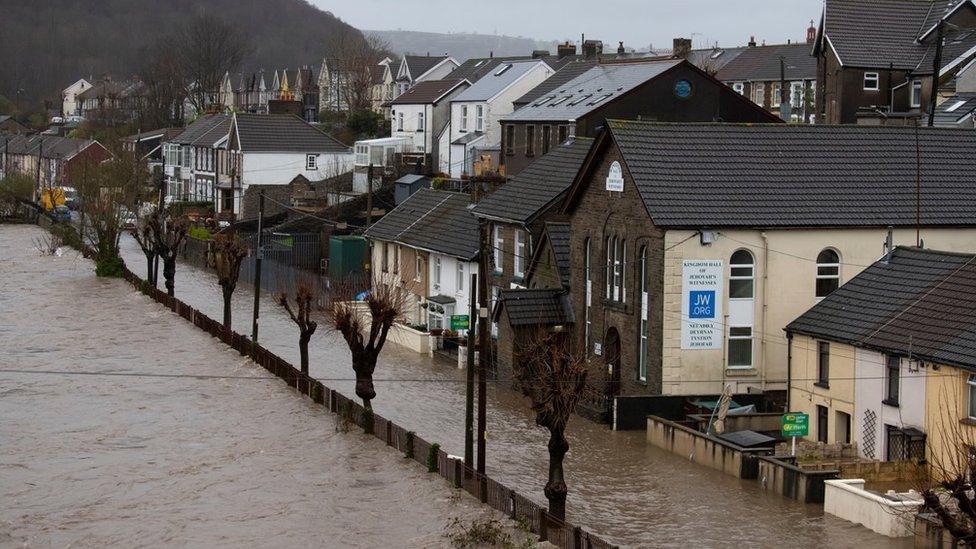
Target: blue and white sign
(701,304)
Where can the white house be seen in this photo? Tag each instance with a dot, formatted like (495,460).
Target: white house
(421,114)
(69,103)
(418,68)
(190,159)
(475,112)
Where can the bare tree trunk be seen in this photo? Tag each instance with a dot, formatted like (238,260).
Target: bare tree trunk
(228,292)
(303,340)
(364,364)
(149,269)
(556,488)
(169,273)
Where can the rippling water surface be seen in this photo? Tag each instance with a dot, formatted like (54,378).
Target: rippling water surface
(619,486)
(136,460)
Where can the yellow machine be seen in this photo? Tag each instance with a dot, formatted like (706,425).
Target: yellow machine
(52,198)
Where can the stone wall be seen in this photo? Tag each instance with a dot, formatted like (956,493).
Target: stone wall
(703,449)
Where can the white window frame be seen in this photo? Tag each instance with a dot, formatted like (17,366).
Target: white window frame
(796,94)
(740,337)
(589,293)
(739,88)
(971,385)
(916,94)
(419,266)
(642,351)
(608,244)
(362,155)
(819,276)
(872,77)
(497,251)
(311,162)
(400,121)
(464,118)
(420,121)
(479,118)
(520,259)
(617,243)
(759,94)
(775,98)
(742,271)
(460,276)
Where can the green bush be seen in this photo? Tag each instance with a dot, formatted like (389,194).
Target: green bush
(111,267)
(199,233)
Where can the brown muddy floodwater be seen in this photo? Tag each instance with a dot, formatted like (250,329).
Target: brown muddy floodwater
(620,487)
(154,458)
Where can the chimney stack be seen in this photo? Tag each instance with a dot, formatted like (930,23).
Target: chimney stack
(681,48)
(752,41)
(620,49)
(539,54)
(592,48)
(811,33)
(562,50)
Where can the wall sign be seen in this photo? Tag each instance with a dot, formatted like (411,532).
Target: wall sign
(701,304)
(615,179)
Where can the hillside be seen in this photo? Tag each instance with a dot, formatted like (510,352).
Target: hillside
(461,46)
(46,45)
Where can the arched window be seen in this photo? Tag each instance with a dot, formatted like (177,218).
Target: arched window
(642,340)
(617,243)
(608,271)
(623,271)
(742,275)
(828,272)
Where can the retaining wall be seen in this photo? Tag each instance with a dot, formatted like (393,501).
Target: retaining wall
(776,474)
(704,449)
(847,499)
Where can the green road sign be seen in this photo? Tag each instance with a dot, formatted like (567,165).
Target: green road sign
(795,425)
(460,322)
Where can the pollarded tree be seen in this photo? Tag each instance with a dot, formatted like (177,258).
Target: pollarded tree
(552,373)
(226,254)
(365,324)
(143,235)
(169,233)
(301,315)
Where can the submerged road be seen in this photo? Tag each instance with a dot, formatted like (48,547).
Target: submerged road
(620,488)
(155,457)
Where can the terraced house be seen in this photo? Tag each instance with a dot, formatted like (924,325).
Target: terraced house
(692,246)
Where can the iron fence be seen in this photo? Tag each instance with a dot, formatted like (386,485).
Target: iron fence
(560,533)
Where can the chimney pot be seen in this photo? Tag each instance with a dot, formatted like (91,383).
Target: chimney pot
(620,49)
(752,41)
(681,48)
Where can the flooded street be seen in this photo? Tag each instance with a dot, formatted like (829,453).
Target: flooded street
(620,487)
(155,455)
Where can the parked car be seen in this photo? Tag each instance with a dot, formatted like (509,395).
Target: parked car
(128,220)
(57,120)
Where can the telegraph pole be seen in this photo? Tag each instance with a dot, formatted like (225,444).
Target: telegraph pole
(483,327)
(257,270)
(469,392)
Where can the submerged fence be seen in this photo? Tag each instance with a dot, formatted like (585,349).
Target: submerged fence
(498,496)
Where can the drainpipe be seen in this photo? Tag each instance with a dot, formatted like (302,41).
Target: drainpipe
(765,279)
(789,367)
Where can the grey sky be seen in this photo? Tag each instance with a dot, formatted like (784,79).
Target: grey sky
(637,22)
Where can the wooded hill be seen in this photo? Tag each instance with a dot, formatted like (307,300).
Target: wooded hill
(47,45)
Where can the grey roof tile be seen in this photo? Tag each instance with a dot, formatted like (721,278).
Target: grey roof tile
(438,221)
(538,187)
(558,235)
(779,175)
(534,307)
(762,63)
(419,64)
(496,81)
(283,133)
(568,72)
(198,127)
(921,303)
(955,109)
(427,92)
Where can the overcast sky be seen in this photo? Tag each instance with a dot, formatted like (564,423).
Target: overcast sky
(638,23)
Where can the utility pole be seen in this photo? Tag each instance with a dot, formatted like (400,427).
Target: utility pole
(469,392)
(483,327)
(37,183)
(257,270)
(936,67)
(369,195)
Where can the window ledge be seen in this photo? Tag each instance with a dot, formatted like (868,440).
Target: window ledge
(889,402)
(822,385)
(971,421)
(741,372)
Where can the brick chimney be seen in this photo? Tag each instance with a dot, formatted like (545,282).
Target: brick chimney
(811,33)
(620,49)
(592,48)
(562,50)
(752,41)
(681,48)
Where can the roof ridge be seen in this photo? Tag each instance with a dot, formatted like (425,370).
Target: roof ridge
(427,213)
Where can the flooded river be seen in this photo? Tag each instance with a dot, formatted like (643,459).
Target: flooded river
(620,487)
(153,456)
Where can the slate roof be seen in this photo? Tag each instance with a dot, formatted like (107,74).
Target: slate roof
(558,235)
(568,72)
(214,135)
(921,303)
(283,133)
(54,147)
(199,127)
(874,33)
(540,186)
(427,92)
(592,89)
(437,221)
(957,44)
(714,58)
(419,64)
(955,109)
(493,83)
(762,63)
(473,69)
(534,307)
(780,175)
(469,137)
